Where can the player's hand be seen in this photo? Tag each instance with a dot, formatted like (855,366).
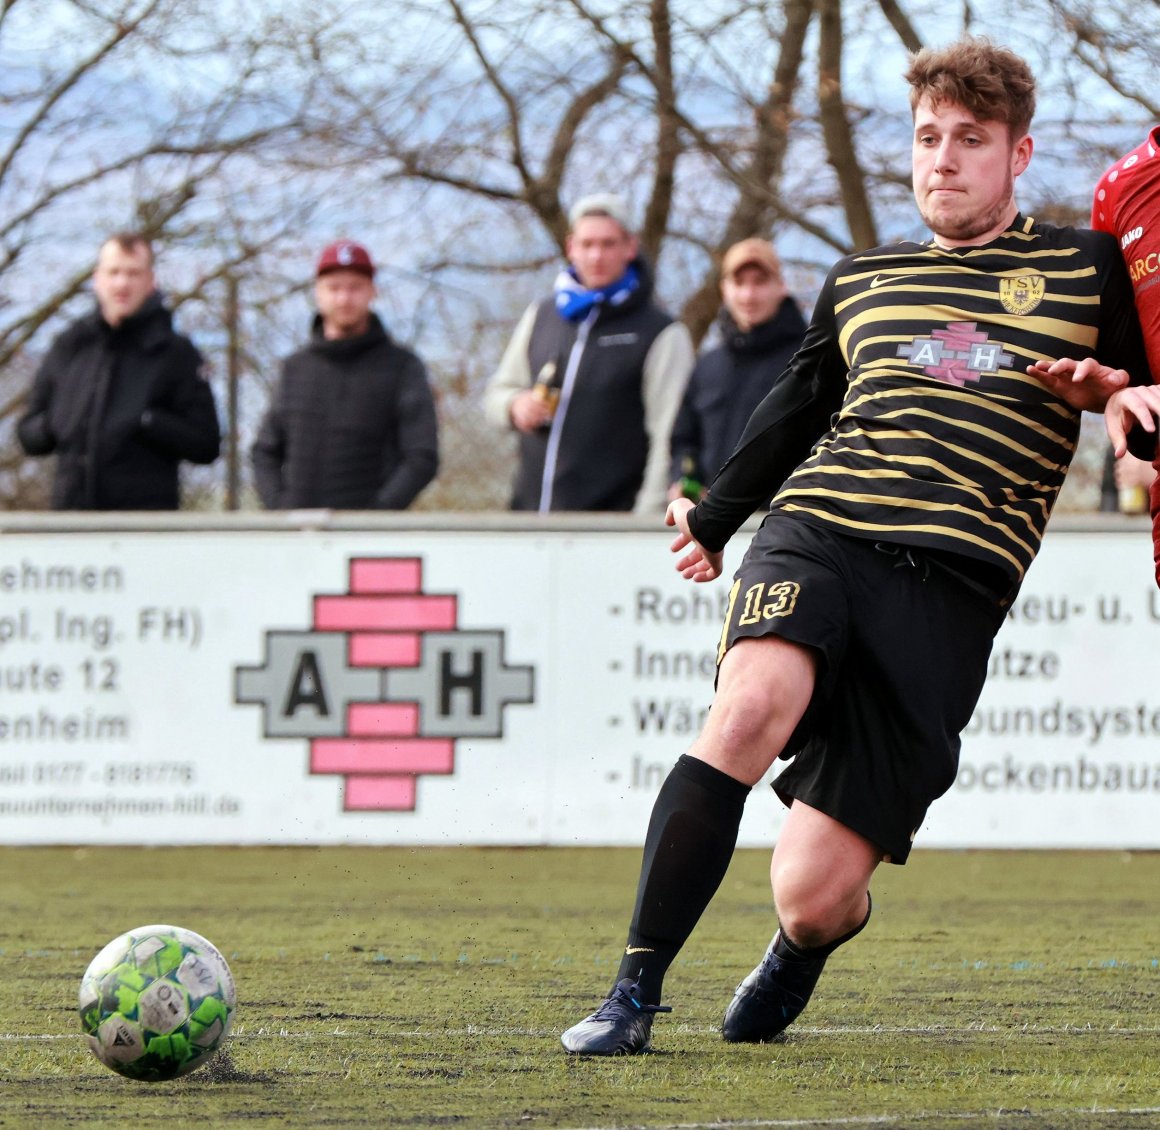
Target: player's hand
(1136,405)
(1086,385)
(1132,472)
(528,412)
(699,564)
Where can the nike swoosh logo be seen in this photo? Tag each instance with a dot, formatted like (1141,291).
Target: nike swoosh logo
(639,949)
(882,280)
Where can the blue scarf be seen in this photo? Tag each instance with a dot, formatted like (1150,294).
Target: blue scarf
(574,301)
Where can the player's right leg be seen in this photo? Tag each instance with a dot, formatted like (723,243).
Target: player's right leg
(820,874)
(860,787)
(763,689)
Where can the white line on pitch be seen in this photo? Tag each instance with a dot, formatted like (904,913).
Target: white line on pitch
(242,1033)
(1032,1119)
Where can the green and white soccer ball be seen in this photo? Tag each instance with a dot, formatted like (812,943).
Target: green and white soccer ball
(157,1002)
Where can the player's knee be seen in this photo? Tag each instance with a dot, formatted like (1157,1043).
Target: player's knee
(748,719)
(818,915)
(809,925)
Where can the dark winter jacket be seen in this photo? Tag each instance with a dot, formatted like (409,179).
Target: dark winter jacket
(598,444)
(120,407)
(351,426)
(727,384)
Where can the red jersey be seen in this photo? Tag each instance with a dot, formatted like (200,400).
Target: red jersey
(1127,204)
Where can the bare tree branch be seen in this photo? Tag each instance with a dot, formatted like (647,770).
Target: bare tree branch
(839,137)
(903,28)
(449,134)
(668,125)
(33,319)
(712,147)
(519,159)
(546,201)
(753,213)
(121,31)
(1100,57)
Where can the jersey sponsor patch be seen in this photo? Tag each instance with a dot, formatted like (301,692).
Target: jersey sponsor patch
(957,354)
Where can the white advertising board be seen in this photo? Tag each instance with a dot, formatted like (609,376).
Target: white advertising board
(492,686)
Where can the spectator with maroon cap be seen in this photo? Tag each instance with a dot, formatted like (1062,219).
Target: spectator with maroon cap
(351,424)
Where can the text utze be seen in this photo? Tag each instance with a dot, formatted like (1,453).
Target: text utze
(1015,663)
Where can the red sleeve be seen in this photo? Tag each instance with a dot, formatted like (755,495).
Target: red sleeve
(1101,212)
(1154,498)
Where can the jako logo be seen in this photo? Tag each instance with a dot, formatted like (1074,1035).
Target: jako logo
(384,684)
(1130,237)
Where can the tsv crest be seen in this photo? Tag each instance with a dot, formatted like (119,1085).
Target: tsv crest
(1022,294)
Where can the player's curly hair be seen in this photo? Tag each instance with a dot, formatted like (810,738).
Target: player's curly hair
(990,81)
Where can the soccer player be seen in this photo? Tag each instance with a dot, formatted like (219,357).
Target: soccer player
(1127,204)
(916,445)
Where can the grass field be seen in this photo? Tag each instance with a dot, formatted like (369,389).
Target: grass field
(428,987)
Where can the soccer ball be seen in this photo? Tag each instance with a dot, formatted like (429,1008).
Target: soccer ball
(157,1002)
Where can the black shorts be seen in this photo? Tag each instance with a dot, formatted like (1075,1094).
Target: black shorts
(903,646)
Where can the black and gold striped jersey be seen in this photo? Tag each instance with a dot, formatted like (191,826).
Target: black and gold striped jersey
(908,415)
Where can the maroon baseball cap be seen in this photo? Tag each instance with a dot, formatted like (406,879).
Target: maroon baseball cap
(344,255)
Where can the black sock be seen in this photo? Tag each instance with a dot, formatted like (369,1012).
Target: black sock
(690,841)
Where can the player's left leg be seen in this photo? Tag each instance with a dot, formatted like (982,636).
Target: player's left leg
(820,873)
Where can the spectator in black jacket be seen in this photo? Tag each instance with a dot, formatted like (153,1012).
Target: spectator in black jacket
(761,328)
(119,397)
(351,424)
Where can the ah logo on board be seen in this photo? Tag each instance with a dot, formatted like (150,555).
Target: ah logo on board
(383,684)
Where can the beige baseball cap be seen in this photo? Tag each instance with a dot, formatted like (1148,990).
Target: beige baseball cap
(751,252)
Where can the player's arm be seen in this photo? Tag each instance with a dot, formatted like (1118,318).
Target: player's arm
(268,452)
(415,425)
(181,418)
(508,400)
(699,564)
(1119,358)
(1086,384)
(781,432)
(663,381)
(34,429)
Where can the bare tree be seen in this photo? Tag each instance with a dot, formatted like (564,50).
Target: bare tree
(721,121)
(451,135)
(142,114)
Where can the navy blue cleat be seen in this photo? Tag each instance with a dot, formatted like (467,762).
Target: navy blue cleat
(620,1026)
(771,998)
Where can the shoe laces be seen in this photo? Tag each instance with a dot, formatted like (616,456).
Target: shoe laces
(625,996)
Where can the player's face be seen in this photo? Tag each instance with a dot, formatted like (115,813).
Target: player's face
(964,173)
(600,250)
(344,300)
(752,296)
(122,281)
